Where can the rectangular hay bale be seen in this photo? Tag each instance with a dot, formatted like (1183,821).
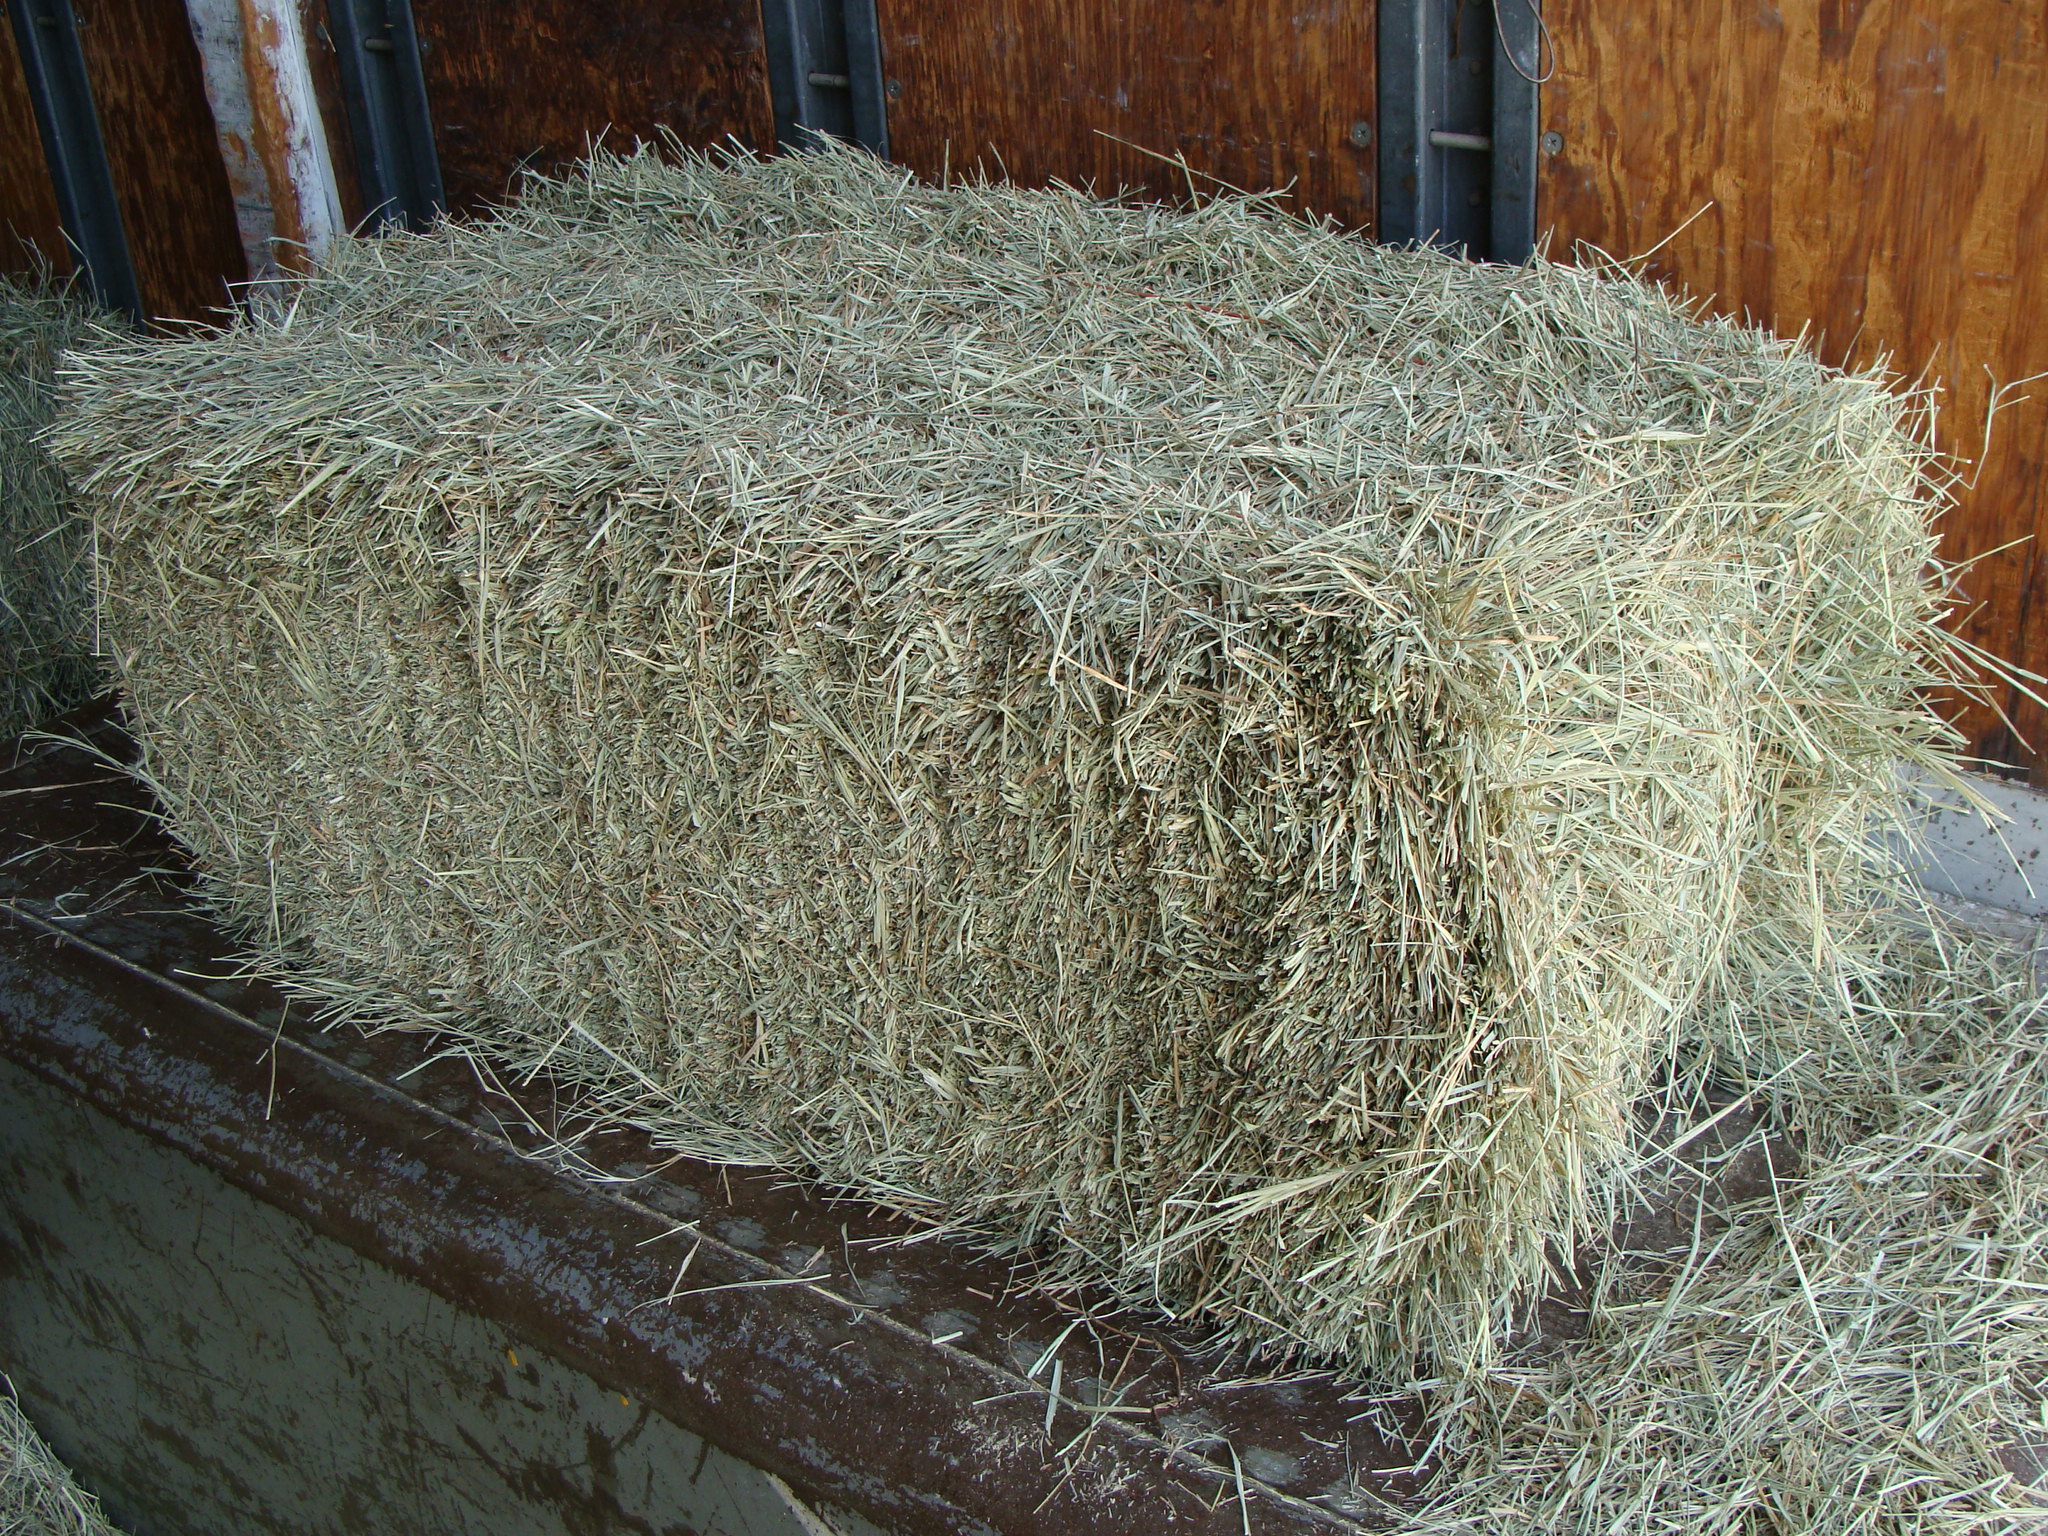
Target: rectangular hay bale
(1217,753)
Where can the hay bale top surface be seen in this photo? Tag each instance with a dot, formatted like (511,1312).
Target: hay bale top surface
(1176,395)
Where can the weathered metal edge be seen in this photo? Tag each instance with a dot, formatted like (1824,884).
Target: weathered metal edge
(845,1404)
(384,90)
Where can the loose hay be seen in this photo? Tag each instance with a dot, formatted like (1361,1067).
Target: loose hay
(37,1495)
(46,664)
(1221,754)
(1863,1349)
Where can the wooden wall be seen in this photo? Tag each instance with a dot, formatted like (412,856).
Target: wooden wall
(1261,93)
(168,176)
(1876,170)
(533,84)
(509,86)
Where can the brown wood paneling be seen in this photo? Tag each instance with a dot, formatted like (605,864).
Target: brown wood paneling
(173,190)
(531,84)
(30,233)
(1259,93)
(1874,169)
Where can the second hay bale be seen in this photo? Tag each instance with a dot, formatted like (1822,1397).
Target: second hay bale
(1184,740)
(46,665)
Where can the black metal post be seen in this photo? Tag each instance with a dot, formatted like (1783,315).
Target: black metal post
(386,94)
(1407,49)
(1457,125)
(1518,62)
(825,73)
(46,33)
(864,76)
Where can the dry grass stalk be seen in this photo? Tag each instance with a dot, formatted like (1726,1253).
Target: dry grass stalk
(1182,741)
(37,1495)
(46,664)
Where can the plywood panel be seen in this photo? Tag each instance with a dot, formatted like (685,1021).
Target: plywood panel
(1875,170)
(1261,93)
(168,178)
(532,83)
(29,229)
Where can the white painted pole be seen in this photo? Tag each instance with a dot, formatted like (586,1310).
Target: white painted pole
(217,29)
(291,139)
(267,121)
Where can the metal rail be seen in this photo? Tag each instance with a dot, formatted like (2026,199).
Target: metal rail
(46,33)
(1458,84)
(825,73)
(1518,67)
(385,92)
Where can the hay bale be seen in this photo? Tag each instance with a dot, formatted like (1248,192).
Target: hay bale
(46,665)
(1184,741)
(1858,1351)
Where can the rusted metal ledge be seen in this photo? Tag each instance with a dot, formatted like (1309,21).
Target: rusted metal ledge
(908,1382)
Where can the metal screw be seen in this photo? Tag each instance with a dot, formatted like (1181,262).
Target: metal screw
(895,90)
(1360,135)
(1553,143)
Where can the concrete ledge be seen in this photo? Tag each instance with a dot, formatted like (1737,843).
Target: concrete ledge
(1996,864)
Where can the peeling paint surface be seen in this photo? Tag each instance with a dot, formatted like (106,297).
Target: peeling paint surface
(211,1365)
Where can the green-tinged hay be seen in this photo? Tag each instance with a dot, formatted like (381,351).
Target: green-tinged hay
(37,1494)
(46,662)
(1185,741)
(1858,1350)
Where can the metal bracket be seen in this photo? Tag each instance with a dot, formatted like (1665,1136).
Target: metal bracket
(386,93)
(825,73)
(1457,125)
(46,33)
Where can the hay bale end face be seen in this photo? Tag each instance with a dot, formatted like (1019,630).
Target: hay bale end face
(1184,741)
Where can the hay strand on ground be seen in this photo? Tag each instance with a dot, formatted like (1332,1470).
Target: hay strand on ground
(1857,1349)
(37,1494)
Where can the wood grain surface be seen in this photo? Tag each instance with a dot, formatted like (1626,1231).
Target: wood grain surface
(30,233)
(1260,93)
(168,177)
(1874,171)
(533,84)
